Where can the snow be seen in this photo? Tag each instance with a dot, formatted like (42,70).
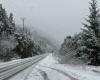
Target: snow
(50,69)
(47,73)
(40,72)
(78,72)
(49,60)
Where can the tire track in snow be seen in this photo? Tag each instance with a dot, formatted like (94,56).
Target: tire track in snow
(62,72)
(43,74)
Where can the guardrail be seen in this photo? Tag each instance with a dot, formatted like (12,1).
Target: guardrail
(10,68)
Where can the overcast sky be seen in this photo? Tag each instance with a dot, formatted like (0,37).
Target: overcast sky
(57,18)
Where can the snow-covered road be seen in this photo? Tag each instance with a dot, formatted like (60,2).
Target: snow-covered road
(43,71)
(50,69)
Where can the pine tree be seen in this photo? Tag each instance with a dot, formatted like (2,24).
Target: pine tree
(7,25)
(5,22)
(90,48)
(12,24)
(26,46)
(1,20)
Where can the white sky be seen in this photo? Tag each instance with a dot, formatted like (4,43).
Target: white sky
(57,18)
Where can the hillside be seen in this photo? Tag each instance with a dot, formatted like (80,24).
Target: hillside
(46,42)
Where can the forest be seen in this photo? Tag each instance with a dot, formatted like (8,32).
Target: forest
(18,41)
(86,44)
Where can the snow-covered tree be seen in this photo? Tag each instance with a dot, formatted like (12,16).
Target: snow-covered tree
(90,44)
(12,24)
(66,46)
(71,43)
(26,46)
(1,20)
(7,25)
(15,42)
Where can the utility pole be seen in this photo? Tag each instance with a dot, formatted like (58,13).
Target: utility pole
(23,23)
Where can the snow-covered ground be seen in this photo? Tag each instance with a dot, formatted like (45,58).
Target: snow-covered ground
(50,69)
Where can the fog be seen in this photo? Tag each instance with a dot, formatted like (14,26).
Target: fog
(57,18)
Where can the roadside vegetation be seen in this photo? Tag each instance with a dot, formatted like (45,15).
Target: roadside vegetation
(19,42)
(86,44)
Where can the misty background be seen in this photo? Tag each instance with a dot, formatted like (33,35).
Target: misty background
(58,18)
